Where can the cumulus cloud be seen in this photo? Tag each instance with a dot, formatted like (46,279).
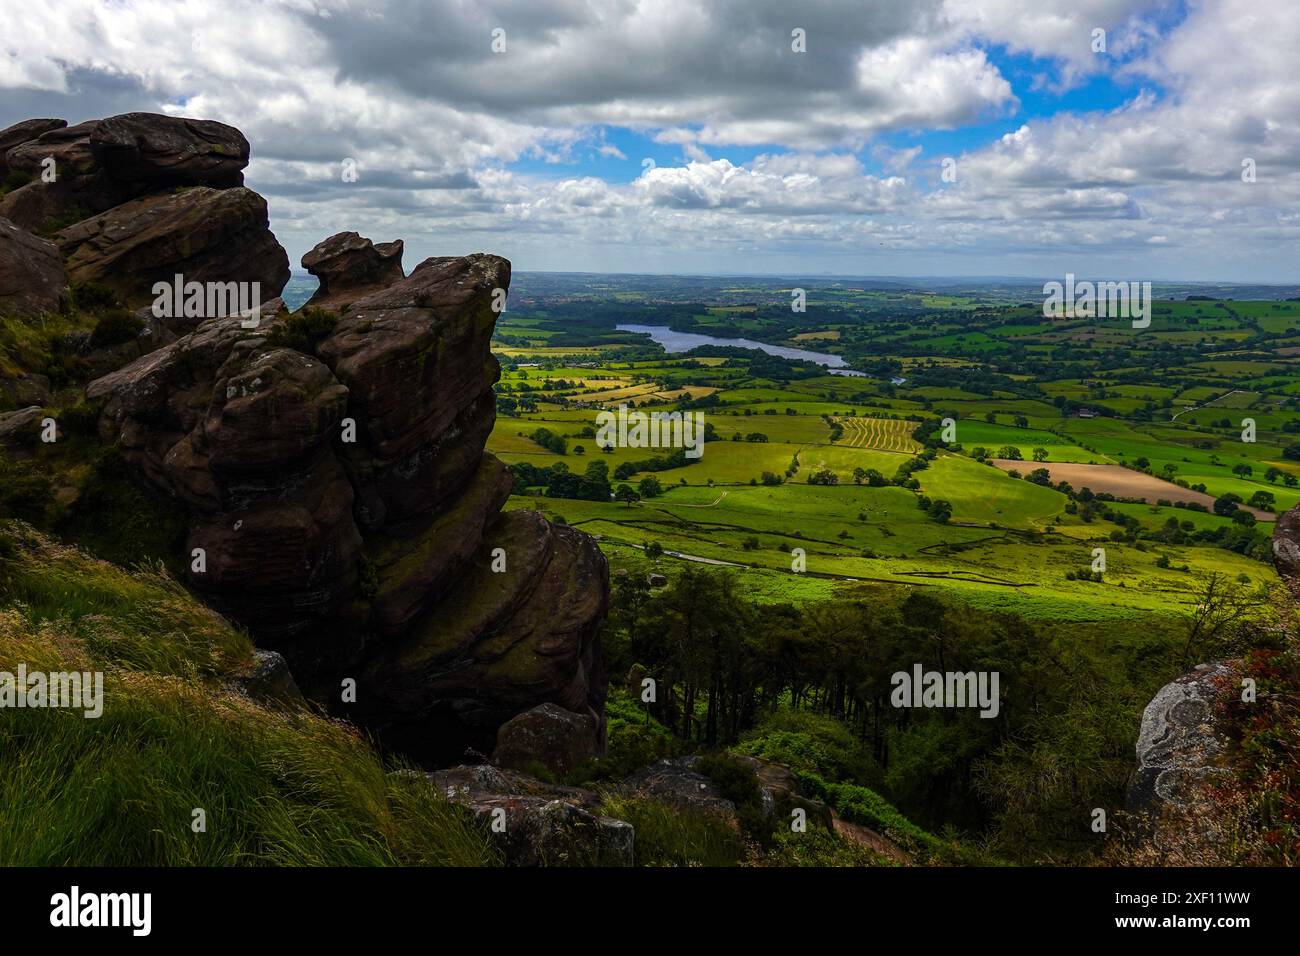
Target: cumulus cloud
(786,158)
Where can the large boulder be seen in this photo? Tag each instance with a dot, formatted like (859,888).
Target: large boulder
(24,132)
(203,234)
(1178,744)
(350,267)
(32,280)
(162,151)
(100,164)
(548,735)
(79,188)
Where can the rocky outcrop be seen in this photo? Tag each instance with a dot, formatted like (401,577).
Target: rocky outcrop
(780,794)
(32,280)
(80,171)
(537,824)
(343,508)
(1184,742)
(24,132)
(203,234)
(331,463)
(1286,549)
(350,267)
(1179,746)
(21,428)
(158,150)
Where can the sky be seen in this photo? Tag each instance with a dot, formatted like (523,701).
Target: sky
(1124,139)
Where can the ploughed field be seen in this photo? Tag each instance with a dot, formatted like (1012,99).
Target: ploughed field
(1119,481)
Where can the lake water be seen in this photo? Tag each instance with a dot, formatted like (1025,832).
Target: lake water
(676,342)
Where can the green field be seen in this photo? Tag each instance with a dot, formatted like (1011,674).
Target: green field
(1001,542)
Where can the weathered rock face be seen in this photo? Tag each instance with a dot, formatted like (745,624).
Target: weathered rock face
(350,267)
(100,164)
(24,132)
(544,825)
(204,234)
(32,280)
(1183,744)
(558,739)
(345,511)
(1286,549)
(170,151)
(1179,747)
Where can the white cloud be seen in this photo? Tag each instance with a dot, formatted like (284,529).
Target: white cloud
(411,90)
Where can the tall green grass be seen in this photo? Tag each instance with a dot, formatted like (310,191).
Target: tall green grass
(276,787)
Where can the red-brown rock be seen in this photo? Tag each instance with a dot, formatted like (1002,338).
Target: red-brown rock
(203,234)
(32,280)
(350,267)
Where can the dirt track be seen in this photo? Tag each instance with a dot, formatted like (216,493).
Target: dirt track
(1118,481)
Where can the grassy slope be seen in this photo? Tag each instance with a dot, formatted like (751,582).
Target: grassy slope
(287,788)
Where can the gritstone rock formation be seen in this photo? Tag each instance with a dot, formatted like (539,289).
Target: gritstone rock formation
(350,267)
(78,171)
(346,511)
(331,463)
(32,280)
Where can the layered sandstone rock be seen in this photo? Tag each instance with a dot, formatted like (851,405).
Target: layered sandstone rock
(24,132)
(32,280)
(350,267)
(80,171)
(204,234)
(346,512)
(332,463)
(169,150)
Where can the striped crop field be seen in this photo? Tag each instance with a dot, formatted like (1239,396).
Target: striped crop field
(885,434)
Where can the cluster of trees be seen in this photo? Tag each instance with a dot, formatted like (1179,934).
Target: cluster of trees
(1061,743)
(938,509)
(1240,538)
(552,442)
(676,459)
(559,482)
(870,477)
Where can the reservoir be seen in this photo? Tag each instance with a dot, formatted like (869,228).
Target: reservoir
(677,342)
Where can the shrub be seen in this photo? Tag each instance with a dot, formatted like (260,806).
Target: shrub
(303,330)
(114,327)
(667,836)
